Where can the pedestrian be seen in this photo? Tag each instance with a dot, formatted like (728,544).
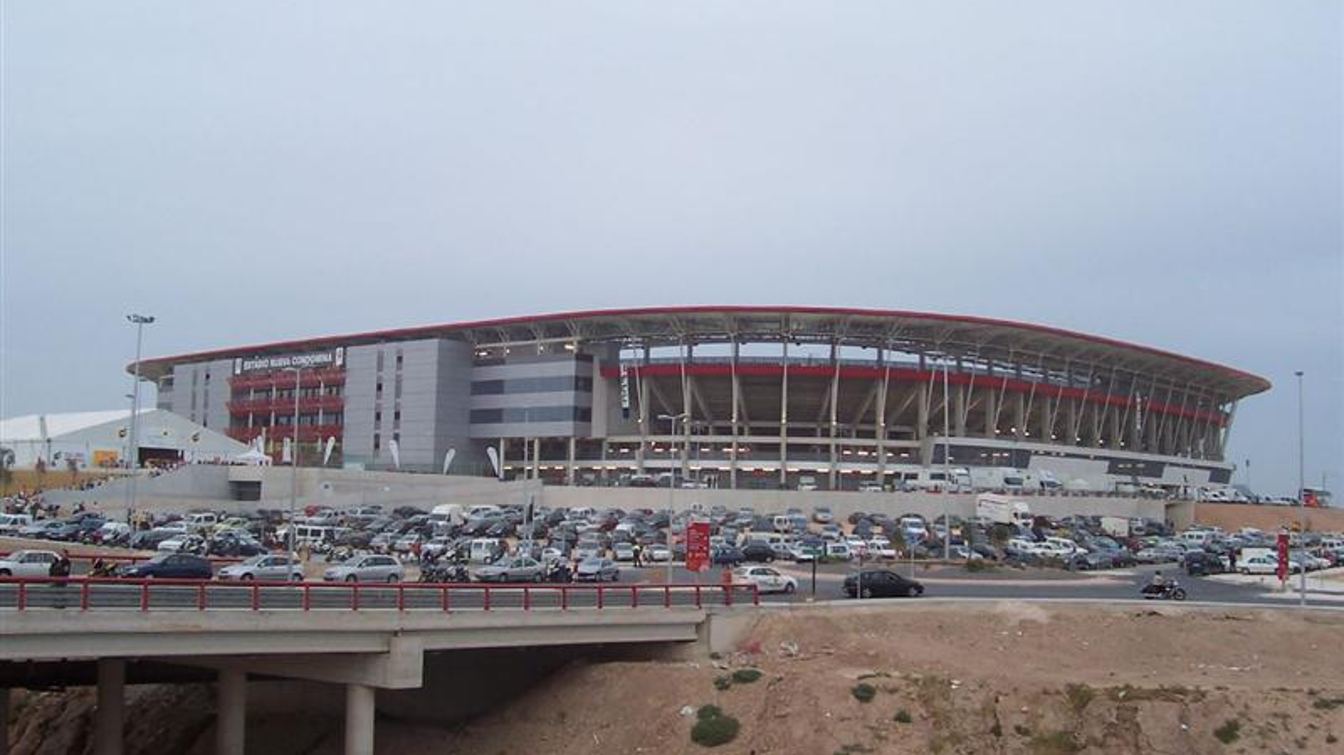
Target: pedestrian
(639,552)
(1232,560)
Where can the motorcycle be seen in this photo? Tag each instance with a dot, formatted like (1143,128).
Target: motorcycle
(450,572)
(1169,591)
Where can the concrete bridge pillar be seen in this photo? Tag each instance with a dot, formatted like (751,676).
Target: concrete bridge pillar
(231,717)
(4,720)
(359,713)
(108,717)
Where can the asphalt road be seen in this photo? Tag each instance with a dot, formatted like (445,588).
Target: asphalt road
(637,587)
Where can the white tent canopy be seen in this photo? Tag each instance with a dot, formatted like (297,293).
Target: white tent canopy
(92,439)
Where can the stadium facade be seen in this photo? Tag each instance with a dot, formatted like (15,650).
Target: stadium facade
(759,397)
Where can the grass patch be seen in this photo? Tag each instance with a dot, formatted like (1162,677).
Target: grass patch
(874,675)
(1331,739)
(746,675)
(853,748)
(1327,703)
(1079,696)
(1229,732)
(1021,730)
(1055,743)
(714,730)
(902,716)
(708,711)
(863,692)
(723,682)
(980,564)
(1174,694)
(996,730)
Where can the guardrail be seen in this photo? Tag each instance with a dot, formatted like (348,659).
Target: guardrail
(90,594)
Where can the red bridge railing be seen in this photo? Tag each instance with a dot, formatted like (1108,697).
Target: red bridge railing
(97,594)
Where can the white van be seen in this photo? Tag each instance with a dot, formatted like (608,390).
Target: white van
(202,520)
(839,550)
(582,512)
(312,534)
(772,539)
(782,523)
(10,524)
(447,514)
(483,550)
(1195,537)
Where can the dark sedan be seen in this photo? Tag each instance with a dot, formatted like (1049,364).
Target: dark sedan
(881,583)
(169,566)
(727,556)
(760,553)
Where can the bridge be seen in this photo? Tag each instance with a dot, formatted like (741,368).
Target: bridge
(363,636)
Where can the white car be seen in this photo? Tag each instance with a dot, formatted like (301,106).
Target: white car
(28,564)
(880,547)
(766,579)
(1258,565)
(10,524)
(658,553)
(366,568)
(264,568)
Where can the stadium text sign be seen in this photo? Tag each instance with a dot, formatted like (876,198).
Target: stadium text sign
(267,363)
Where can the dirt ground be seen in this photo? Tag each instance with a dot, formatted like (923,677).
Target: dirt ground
(1006,678)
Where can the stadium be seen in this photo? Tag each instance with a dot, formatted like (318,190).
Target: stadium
(730,397)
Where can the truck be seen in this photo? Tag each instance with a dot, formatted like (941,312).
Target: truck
(1000,509)
(1115,526)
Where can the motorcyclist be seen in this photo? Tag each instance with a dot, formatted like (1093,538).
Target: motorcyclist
(1156,584)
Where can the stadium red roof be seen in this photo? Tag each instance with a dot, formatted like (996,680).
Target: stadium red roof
(960,335)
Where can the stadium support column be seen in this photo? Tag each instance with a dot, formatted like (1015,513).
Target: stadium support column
(1113,414)
(109,715)
(959,400)
(643,378)
(1020,417)
(732,450)
(991,411)
(835,400)
(784,421)
(536,458)
(881,425)
(569,466)
(685,413)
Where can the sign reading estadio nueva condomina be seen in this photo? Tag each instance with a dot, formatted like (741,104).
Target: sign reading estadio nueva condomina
(331,358)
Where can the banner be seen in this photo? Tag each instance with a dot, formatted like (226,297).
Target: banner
(697,546)
(395,448)
(494,461)
(1283,556)
(448,459)
(331,445)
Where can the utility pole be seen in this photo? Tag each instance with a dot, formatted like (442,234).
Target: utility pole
(1301,490)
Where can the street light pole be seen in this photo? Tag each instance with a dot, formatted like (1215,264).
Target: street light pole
(1301,488)
(671,483)
(133,458)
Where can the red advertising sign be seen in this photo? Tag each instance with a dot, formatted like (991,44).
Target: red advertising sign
(697,546)
(1283,556)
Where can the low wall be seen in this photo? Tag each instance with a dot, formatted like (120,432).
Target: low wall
(1234,516)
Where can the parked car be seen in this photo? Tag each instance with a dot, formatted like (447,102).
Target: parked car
(758,552)
(727,556)
(881,583)
(623,552)
(658,552)
(13,524)
(766,579)
(169,566)
(267,568)
(597,570)
(516,569)
(369,567)
(28,563)
(822,515)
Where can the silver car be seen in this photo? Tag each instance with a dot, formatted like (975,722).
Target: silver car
(265,568)
(366,568)
(520,569)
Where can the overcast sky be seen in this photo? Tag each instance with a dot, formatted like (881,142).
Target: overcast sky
(1165,173)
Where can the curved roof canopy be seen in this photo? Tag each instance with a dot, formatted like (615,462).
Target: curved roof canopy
(1001,341)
